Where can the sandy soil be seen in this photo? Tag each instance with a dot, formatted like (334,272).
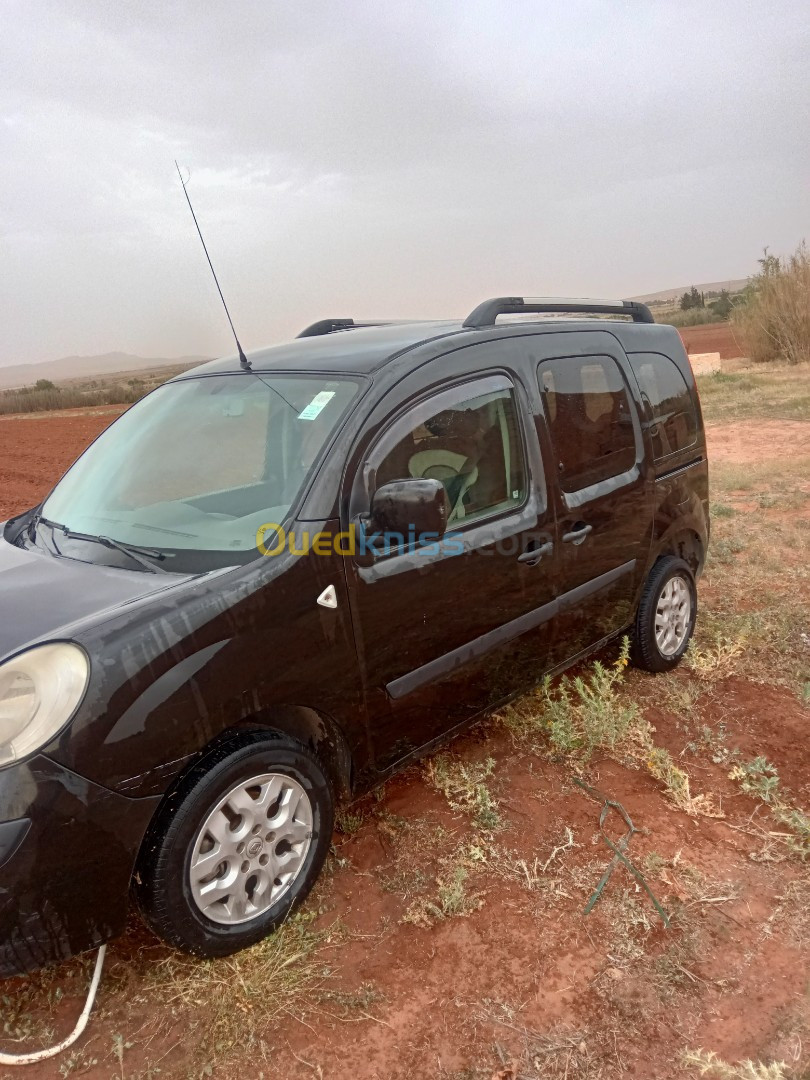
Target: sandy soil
(744,441)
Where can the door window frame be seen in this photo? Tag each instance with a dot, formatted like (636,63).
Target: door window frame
(478,532)
(610,484)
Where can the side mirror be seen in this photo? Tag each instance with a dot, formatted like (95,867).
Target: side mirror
(411,507)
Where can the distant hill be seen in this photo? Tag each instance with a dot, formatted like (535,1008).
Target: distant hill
(88,367)
(676,294)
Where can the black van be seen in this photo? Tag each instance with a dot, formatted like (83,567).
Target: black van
(271,583)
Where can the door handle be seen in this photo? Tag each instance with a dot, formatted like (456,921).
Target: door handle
(578,533)
(533,556)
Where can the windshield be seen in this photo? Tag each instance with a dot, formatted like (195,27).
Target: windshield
(199,465)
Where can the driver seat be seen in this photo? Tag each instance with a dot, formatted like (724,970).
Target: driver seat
(448,467)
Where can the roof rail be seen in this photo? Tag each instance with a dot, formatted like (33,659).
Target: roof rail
(326,326)
(486,314)
(331,326)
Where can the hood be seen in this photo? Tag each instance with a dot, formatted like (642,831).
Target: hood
(41,596)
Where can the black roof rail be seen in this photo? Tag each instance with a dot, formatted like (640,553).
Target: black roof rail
(486,314)
(326,326)
(331,326)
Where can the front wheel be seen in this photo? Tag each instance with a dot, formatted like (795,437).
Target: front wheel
(236,846)
(666,615)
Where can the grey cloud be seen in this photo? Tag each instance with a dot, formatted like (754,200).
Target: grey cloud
(365,158)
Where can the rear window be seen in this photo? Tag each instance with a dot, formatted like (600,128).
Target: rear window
(590,419)
(671,419)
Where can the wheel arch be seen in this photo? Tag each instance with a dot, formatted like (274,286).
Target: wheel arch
(316,730)
(686,544)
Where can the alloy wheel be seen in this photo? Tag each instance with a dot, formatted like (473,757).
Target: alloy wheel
(673,614)
(251,848)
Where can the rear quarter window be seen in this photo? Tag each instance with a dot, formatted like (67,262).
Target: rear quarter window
(671,419)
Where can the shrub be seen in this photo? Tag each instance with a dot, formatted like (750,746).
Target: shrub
(774,320)
(760,779)
(41,399)
(693,316)
(463,784)
(723,305)
(586,714)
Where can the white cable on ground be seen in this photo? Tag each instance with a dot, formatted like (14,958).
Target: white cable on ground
(40,1055)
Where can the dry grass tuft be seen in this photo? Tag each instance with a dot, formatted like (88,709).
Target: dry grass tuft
(707,1063)
(452,898)
(240,995)
(774,322)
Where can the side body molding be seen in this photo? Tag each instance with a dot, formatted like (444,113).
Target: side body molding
(443,665)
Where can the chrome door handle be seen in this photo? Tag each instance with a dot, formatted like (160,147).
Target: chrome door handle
(577,535)
(533,556)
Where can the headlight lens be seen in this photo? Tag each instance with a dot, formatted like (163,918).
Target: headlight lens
(39,691)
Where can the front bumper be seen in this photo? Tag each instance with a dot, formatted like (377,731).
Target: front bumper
(67,853)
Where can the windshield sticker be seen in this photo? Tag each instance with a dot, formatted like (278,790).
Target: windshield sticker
(317,405)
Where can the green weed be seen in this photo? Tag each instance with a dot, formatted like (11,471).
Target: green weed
(586,714)
(452,897)
(761,779)
(463,784)
(758,777)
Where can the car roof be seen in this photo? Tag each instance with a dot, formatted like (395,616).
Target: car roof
(362,350)
(359,350)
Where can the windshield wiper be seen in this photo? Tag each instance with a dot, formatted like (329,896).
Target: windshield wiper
(138,554)
(51,545)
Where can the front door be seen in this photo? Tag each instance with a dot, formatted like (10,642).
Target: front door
(446,630)
(604,505)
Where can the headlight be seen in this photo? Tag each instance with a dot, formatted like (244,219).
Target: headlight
(39,691)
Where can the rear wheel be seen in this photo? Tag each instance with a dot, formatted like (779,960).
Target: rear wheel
(666,614)
(238,845)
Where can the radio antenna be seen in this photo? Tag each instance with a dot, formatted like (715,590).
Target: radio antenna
(243,360)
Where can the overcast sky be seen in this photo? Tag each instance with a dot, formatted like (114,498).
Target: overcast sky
(365,159)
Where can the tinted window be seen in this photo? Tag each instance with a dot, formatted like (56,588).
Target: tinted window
(671,420)
(590,419)
(470,443)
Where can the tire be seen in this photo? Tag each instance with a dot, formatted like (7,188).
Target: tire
(661,636)
(195,886)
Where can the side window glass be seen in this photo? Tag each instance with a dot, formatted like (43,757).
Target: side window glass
(471,443)
(590,419)
(672,422)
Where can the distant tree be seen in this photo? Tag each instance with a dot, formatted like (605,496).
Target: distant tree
(44,384)
(692,299)
(723,305)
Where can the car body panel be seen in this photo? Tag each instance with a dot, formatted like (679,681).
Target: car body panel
(66,886)
(427,624)
(619,513)
(239,645)
(410,651)
(49,596)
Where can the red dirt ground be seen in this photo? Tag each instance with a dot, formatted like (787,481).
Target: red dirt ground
(36,450)
(465,998)
(712,337)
